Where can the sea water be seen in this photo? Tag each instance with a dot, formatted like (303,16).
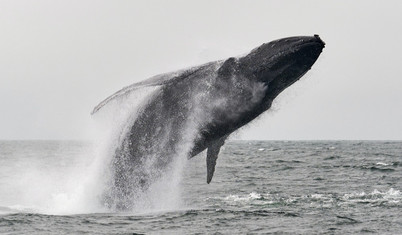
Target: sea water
(295,187)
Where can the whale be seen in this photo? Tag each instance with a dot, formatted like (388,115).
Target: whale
(197,109)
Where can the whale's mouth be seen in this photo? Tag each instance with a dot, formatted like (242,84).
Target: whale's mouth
(304,51)
(303,46)
(291,63)
(285,59)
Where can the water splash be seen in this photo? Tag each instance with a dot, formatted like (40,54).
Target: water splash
(70,179)
(141,184)
(46,177)
(116,119)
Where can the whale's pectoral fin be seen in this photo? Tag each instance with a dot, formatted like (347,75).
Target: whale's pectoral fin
(212,155)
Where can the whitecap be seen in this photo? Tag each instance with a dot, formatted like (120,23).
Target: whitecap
(390,196)
(382,164)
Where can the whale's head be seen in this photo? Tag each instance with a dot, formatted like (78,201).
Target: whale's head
(282,62)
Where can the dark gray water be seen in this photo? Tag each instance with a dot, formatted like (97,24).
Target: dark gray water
(296,187)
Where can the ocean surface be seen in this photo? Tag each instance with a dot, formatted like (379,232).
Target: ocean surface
(259,187)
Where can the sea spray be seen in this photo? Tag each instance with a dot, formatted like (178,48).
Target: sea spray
(152,141)
(45,176)
(68,177)
(86,183)
(112,125)
(151,180)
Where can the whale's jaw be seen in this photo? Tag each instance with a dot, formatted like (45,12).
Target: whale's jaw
(280,63)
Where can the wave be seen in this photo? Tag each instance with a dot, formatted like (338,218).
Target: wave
(391,197)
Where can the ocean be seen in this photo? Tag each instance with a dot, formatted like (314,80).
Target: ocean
(259,187)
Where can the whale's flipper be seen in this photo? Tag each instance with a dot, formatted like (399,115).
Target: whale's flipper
(157,80)
(212,155)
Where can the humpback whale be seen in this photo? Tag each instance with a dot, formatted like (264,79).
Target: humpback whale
(196,109)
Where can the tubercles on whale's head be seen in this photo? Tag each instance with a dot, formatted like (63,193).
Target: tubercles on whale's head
(282,62)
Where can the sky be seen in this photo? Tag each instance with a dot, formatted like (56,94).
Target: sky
(59,59)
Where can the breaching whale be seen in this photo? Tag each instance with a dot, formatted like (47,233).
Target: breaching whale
(198,108)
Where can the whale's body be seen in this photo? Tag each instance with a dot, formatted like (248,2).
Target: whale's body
(198,108)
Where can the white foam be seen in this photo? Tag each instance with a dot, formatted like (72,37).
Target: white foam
(244,198)
(390,196)
(382,164)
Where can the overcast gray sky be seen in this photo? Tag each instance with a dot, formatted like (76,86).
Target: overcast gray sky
(58,59)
